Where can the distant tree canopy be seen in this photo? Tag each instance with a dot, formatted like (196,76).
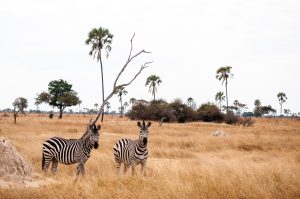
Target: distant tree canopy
(181,111)
(262,110)
(177,111)
(239,107)
(219,98)
(153,81)
(60,95)
(121,92)
(287,112)
(191,103)
(282,99)
(223,74)
(20,104)
(209,112)
(267,110)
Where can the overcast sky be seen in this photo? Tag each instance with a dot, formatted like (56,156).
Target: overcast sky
(42,41)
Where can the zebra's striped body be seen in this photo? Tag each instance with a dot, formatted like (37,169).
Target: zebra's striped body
(70,151)
(132,152)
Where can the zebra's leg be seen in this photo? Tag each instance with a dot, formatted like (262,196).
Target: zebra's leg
(132,169)
(54,165)
(46,163)
(126,166)
(80,169)
(117,166)
(144,168)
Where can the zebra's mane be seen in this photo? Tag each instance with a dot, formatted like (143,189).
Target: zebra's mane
(86,133)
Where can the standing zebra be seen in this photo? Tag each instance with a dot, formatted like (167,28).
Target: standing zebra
(132,152)
(70,151)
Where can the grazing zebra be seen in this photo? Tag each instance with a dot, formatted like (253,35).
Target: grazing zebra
(132,152)
(70,151)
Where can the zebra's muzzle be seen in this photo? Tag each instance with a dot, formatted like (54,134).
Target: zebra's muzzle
(145,141)
(96,145)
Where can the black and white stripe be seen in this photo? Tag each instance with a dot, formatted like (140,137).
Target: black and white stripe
(70,151)
(132,152)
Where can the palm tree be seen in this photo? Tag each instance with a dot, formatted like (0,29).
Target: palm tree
(153,81)
(107,104)
(287,112)
(191,103)
(121,92)
(132,101)
(96,105)
(125,105)
(281,98)
(257,103)
(257,110)
(223,73)
(100,38)
(219,98)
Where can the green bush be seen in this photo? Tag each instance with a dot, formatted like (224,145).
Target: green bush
(177,111)
(138,112)
(209,112)
(231,118)
(182,112)
(159,109)
(156,110)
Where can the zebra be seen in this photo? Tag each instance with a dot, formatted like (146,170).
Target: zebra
(70,151)
(132,152)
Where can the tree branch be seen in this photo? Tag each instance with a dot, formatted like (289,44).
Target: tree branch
(145,65)
(130,58)
(117,87)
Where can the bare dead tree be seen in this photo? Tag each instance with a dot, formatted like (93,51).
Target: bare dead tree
(117,87)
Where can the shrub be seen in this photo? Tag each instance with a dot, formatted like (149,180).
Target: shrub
(209,112)
(182,112)
(177,111)
(159,109)
(138,112)
(50,115)
(246,122)
(231,118)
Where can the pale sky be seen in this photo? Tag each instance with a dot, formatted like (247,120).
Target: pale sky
(42,41)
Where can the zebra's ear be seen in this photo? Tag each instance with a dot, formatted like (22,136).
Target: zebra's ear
(98,127)
(139,124)
(148,124)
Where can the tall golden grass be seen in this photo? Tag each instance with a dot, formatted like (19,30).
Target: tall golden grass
(185,160)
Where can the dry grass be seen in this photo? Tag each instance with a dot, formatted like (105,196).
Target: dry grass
(185,161)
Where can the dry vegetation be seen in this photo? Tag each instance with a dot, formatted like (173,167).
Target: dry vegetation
(185,161)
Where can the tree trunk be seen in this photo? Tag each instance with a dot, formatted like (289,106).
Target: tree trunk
(220,105)
(280,109)
(102,86)
(15,118)
(121,108)
(60,112)
(15,115)
(226,95)
(154,93)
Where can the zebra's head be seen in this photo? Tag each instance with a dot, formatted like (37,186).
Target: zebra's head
(94,135)
(144,131)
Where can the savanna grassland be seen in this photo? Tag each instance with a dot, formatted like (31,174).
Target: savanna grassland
(185,160)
